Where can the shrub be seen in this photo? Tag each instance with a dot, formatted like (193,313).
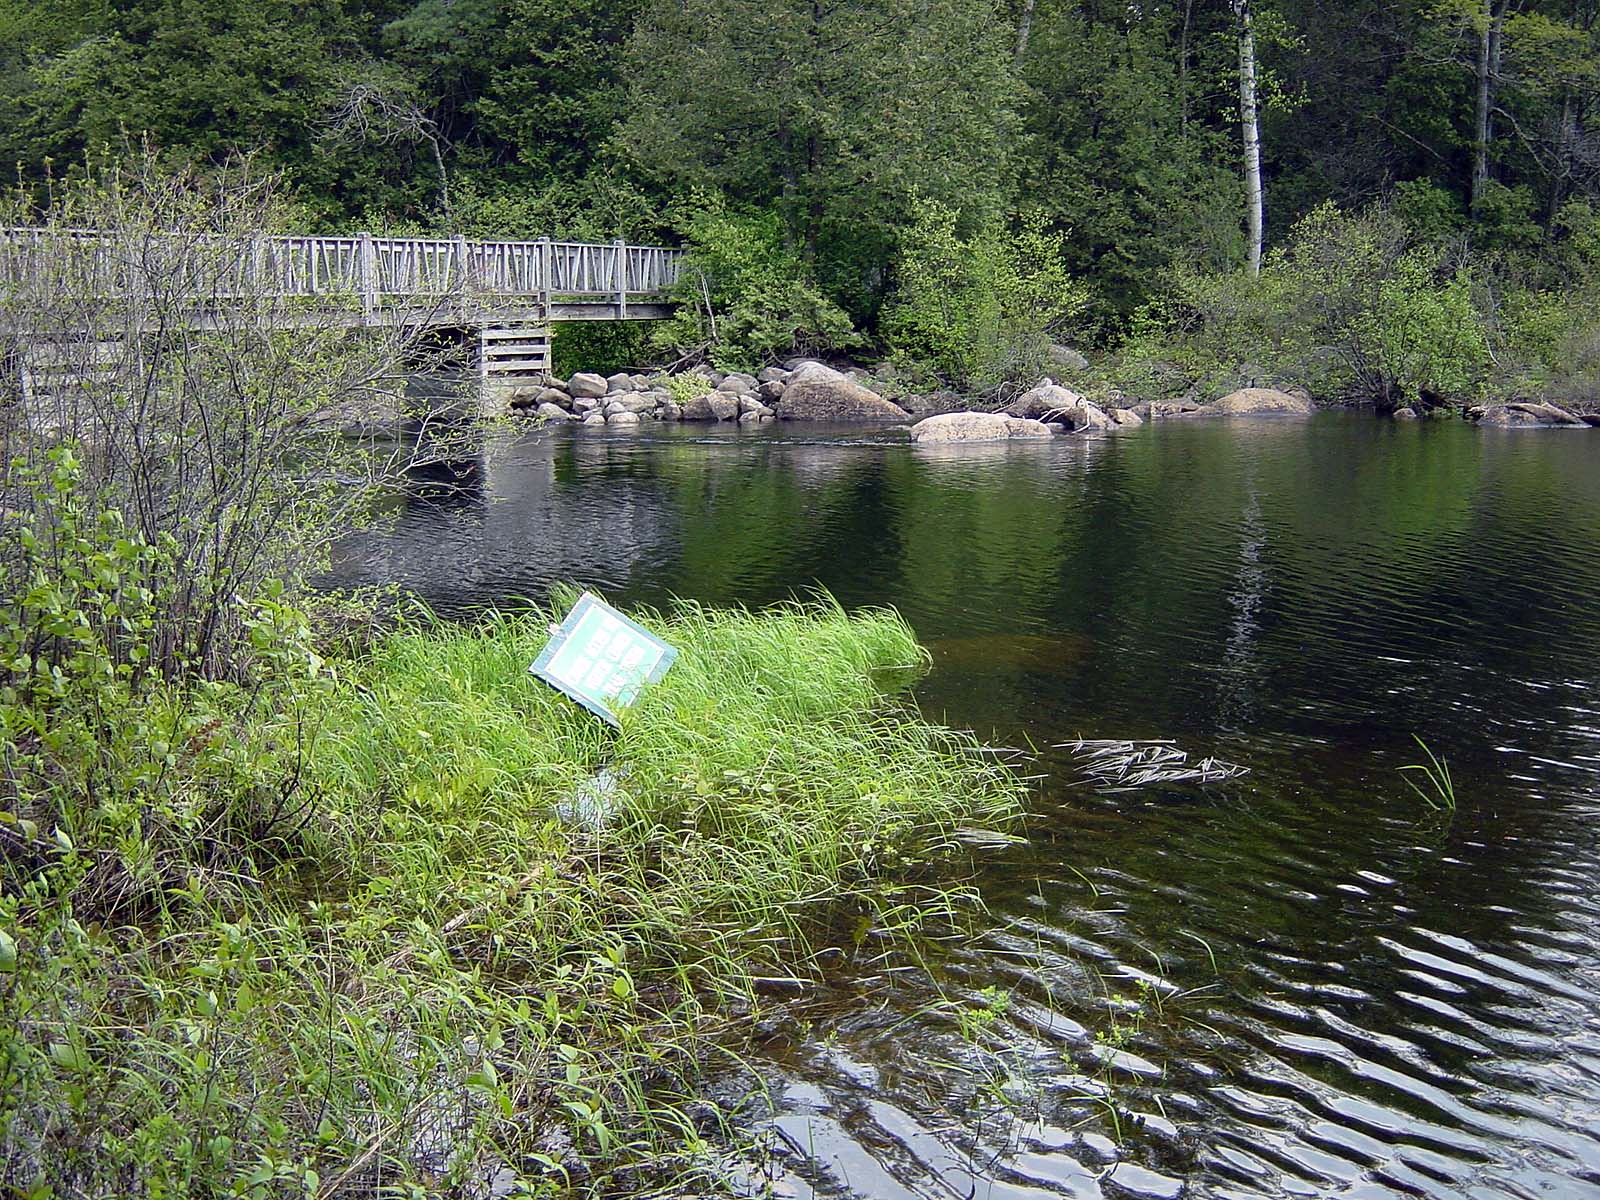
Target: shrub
(744,298)
(980,311)
(206,407)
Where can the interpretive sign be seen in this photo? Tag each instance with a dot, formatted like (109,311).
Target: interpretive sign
(600,658)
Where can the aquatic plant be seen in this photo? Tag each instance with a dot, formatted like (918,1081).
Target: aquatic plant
(1440,794)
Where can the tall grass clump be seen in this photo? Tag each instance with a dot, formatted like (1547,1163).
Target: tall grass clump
(499,938)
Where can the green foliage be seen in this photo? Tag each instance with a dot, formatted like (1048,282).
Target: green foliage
(1422,338)
(980,310)
(1346,306)
(744,297)
(430,932)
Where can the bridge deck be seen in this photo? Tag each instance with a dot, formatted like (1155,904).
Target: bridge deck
(388,280)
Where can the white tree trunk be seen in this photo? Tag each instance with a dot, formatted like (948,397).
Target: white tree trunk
(1492,17)
(1250,125)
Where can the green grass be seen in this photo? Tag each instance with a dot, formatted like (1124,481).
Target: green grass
(418,973)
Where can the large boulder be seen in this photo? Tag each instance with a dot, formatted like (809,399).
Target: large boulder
(1126,417)
(818,393)
(623,418)
(556,396)
(622,381)
(771,375)
(554,412)
(1252,401)
(1524,415)
(635,402)
(583,405)
(713,406)
(931,404)
(1065,358)
(738,383)
(1040,402)
(587,383)
(977,427)
(771,390)
(1059,406)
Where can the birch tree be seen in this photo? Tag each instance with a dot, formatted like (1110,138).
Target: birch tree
(1250,128)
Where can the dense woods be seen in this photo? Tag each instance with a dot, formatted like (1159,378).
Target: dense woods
(840,163)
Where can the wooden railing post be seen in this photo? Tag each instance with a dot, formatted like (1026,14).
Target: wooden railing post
(463,271)
(543,282)
(622,277)
(367,267)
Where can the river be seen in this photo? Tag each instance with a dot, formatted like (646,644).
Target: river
(1303,982)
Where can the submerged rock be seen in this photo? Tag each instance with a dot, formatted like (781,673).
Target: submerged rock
(1253,401)
(818,393)
(977,427)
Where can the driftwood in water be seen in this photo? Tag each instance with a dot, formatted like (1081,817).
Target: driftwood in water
(1120,766)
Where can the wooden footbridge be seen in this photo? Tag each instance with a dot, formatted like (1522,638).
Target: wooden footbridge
(505,295)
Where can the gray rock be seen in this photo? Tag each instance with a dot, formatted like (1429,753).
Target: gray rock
(1081,417)
(1044,402)
(622,381)
(669,411)
(771,390)
(554,412)
(771,375)
(623,418)
(1253,401)
(586,383)
(737,383)
(931,404)
(584,404)
(613,407)
(520,398)
(1521,415)
(641,383)
(818,393)
(635,402)
(749,404)
(1405,414)
(555,381)
(1066,358)
(595,418)
(753,417)
(554,396)
(716,377)
(1180,407)
(713,406)
(1126,417)
(977,427)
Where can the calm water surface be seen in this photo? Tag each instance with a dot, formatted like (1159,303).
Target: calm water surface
(1299,984)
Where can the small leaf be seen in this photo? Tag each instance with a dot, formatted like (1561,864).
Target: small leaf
(8,952)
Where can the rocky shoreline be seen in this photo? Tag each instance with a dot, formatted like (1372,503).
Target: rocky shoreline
(808,390)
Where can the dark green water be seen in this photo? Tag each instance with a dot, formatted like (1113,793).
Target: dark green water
(1306,983)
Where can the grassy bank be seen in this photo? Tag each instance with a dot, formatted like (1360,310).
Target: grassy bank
(369,926)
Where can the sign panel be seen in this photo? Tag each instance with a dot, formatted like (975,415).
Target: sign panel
(600,658)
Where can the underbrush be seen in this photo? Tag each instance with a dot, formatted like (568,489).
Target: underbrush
(410,922)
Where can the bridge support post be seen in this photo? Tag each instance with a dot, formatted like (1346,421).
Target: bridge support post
(621,248)
(368,266)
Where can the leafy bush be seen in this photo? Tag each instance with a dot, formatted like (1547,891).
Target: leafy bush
(744,298)
(208,408)
(1349,305)
(980,310)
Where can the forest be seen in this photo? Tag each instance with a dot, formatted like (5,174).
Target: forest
(1376,199)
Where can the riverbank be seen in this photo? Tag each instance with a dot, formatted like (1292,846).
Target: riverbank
(407,918)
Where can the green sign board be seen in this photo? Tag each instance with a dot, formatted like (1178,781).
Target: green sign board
(600,658)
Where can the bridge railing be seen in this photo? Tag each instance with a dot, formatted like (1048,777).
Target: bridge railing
(376,270)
